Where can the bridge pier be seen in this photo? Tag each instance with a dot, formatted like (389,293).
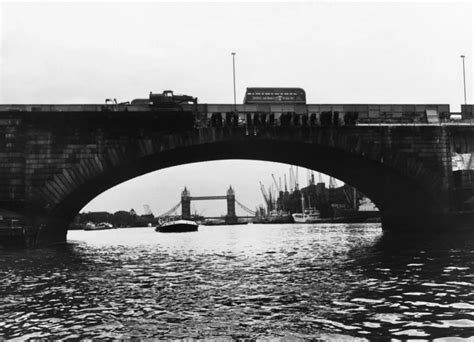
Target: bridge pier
(52,231)
(429,223)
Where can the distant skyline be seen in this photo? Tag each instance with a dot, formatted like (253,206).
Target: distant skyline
(339,52)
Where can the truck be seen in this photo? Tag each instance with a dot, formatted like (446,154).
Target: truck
(165,100)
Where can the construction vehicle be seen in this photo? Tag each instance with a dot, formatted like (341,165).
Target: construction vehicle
(169,99)
(166,100)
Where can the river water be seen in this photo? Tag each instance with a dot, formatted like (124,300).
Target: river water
(232,282)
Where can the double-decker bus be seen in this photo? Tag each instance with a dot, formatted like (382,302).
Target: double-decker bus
(275,95)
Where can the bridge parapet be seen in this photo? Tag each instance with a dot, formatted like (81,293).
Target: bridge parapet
(280,114)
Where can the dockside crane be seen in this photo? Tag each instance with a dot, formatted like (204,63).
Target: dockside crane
(294,183)
(291,179)
(279,201)
(270,198)
(265,197)
(352,200)
(273,197)
(348,198)
(147,209)
(297,180)
(276,184)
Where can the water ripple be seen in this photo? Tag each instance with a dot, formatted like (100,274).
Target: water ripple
(288,282)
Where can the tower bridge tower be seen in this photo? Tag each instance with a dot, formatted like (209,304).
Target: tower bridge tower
(231,217)
(186,204)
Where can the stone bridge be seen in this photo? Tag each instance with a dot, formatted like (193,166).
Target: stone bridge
(54,162)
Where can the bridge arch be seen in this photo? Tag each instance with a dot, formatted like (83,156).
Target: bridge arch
(406,192)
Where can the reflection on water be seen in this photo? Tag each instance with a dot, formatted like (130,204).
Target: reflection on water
(286,281)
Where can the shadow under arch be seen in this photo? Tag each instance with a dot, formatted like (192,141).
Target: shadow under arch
(403,203)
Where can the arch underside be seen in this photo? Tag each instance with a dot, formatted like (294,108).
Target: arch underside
(400,198)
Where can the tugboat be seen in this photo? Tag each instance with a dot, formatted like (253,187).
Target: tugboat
(171,225)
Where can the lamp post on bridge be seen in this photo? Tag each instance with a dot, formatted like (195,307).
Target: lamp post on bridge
(233,69)
(464,78)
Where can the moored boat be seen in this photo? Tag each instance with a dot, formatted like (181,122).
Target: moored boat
(307,216)
(176,226)
(275,217)
(100,226)
(213,222)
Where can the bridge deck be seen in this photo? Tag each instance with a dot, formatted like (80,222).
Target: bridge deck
(250,108)
(226,114)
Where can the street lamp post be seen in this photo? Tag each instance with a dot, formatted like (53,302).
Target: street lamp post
(233,68)
(464,78)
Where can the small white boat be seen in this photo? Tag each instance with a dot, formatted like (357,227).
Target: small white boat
(307,216)
(105,225)
(90,226)
(100,226)
(170,225)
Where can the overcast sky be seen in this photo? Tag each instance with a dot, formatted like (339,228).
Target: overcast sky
(339,52)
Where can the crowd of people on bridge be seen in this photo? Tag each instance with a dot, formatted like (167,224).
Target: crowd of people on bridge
(232,119)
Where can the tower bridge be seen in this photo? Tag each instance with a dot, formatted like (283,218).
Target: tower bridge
(230,218)
(186,199)
(56,158)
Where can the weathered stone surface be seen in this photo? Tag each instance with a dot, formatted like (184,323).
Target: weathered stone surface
(51,167)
